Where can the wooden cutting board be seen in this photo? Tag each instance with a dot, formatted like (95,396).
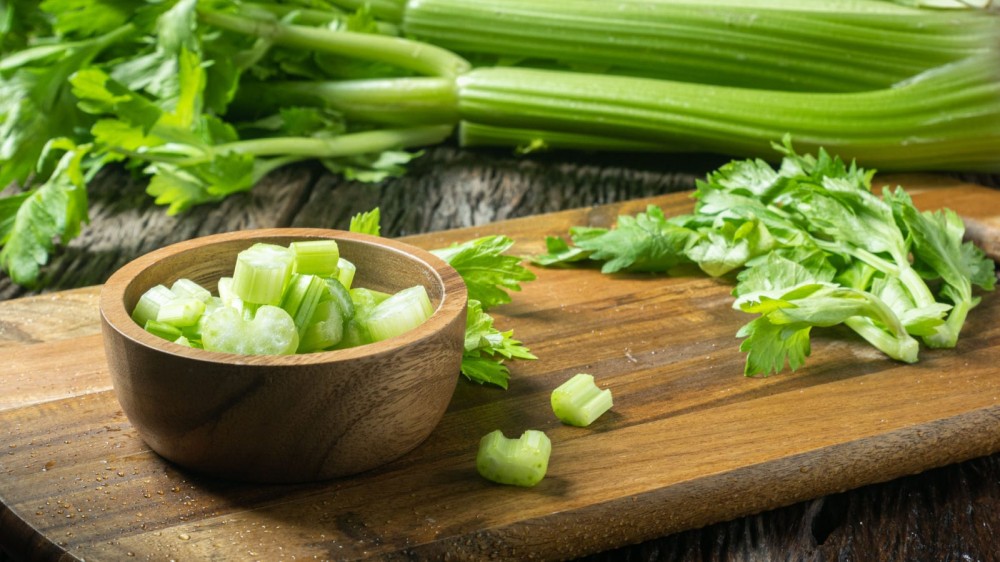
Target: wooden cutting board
(690,441)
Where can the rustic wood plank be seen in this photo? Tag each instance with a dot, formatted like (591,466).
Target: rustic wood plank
(943,411)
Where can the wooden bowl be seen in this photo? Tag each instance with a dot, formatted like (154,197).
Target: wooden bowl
(292,418)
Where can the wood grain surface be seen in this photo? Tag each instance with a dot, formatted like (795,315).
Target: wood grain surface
(689,443)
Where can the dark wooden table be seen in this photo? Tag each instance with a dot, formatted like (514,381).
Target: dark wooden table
(951,513)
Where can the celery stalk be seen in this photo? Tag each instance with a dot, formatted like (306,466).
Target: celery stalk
(519,462)
(818,45)
(948,118)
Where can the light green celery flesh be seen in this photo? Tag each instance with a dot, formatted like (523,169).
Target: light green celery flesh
(261,273)
(187,288)
(270,332)
(809,46)
(148,306)
(316,257)
(345,273)
(399,313)
(946,119)
(162,330)
(325,329)
(579,401)
(301,299)
(336,291)
(181,312)
(519,462)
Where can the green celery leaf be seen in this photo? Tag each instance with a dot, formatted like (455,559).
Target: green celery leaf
(485,370)
(730,245)
(54,210)
(86,18)
(770,347)
(559,253)
(177,188)
(8,212)
(486,348)
(754,178)
(645,242)
(367,222)
(371,168)
(488,273)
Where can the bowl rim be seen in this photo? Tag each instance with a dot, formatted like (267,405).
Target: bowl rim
(454,298)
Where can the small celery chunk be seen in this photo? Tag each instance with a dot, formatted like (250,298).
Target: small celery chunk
(188,288)
(345,272)
(579,402)
(399,313)
(342,295)
(150,302)
(520,462)
(301,298)
(181,312)
(162,330)
(271,331)
(316,257)
(325,330)
(261,272)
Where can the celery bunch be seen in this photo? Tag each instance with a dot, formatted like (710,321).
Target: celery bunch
(205,97)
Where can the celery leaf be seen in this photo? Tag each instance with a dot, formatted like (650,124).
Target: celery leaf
(488,273)
(486,348)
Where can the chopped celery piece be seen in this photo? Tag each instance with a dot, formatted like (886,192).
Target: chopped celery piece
(181,312)
(183,341)
(270,332)
(345,272)
(262,270)
(579,402)
(316,257)
(339,293)
(150,302)
(162,330)
(301,297)
(188,288)
(356,331)
(325,329)
(367,296)
(399,313)
(521,462)
(227,296)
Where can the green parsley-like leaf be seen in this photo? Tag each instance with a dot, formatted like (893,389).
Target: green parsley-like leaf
(486,348)
(644,242)
(488,273)
(54,210)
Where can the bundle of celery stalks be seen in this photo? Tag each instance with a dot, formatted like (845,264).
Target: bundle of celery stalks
(205,97)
